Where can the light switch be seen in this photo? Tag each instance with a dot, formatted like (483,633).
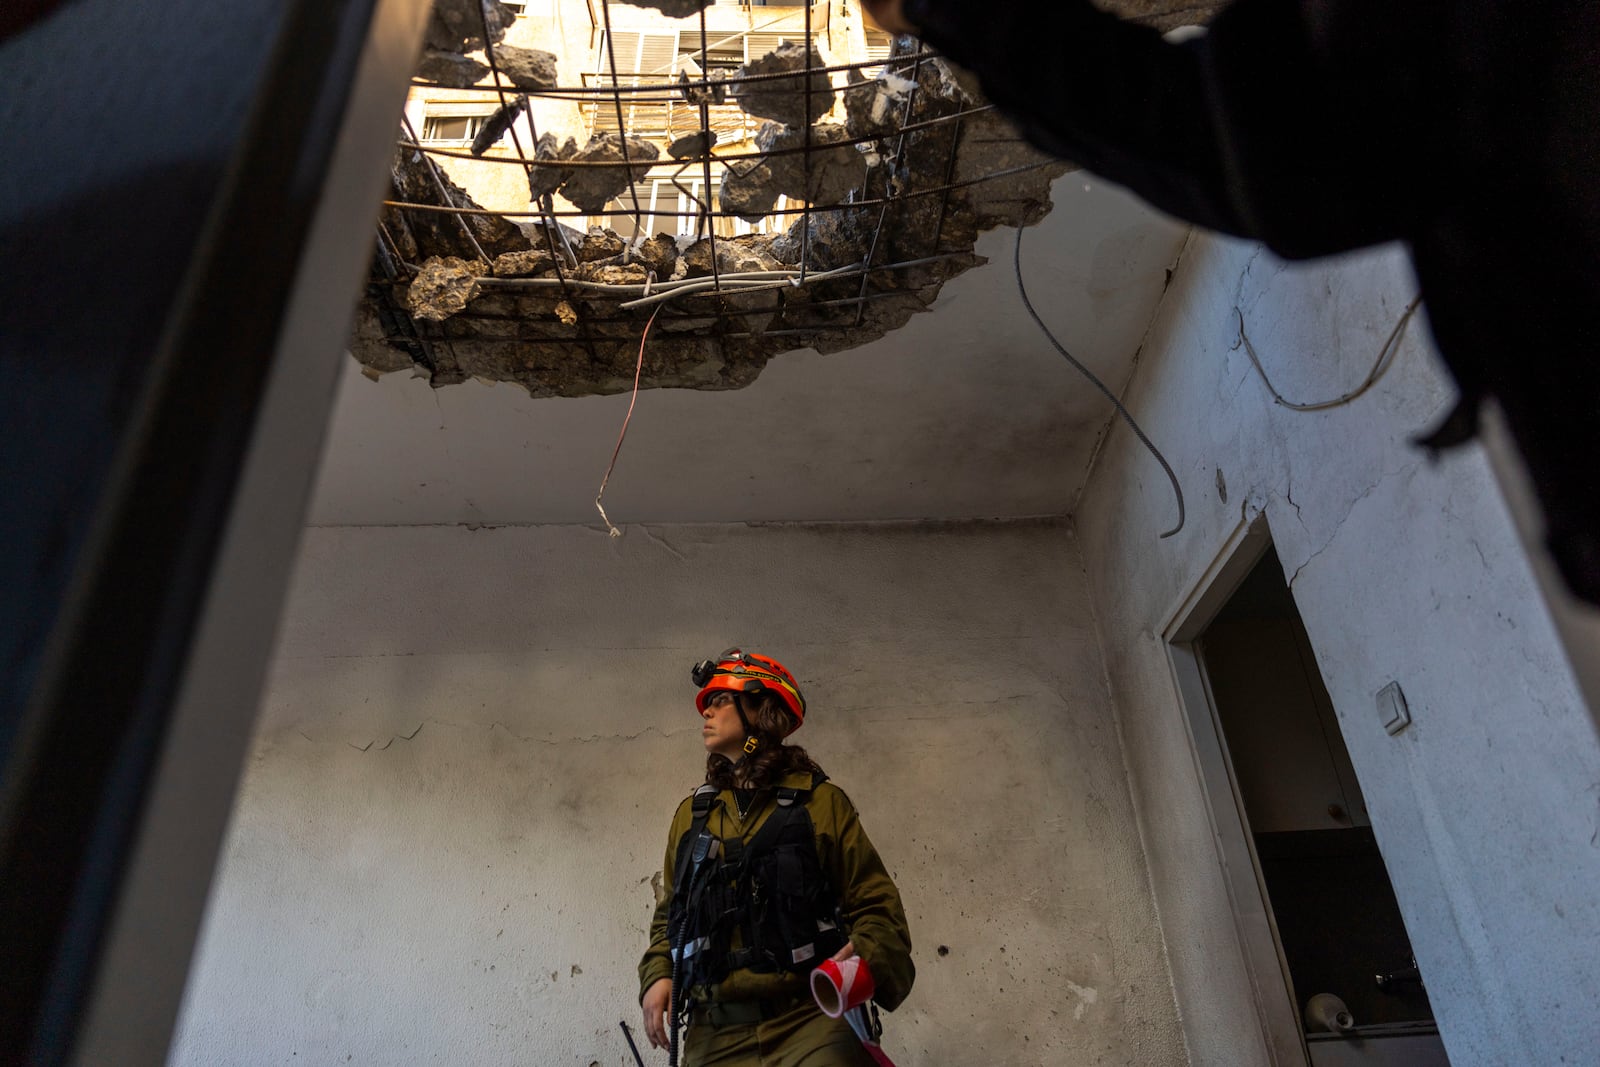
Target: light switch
(1392,710)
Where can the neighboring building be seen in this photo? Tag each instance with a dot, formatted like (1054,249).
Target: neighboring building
(648,49)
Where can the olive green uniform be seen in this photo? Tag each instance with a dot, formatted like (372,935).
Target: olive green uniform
(770,1020)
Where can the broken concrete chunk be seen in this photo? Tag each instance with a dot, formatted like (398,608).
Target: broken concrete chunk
(659,254)
(600,244)
(591,187)
(457,25)
(496,125)
(784,99)
(748,190)
(544,180)
(749,252)
(613,273)
(876,108)
(837,239)
(698,88)
(674,9)
(692,145)
(566,313)
(833,172)
(450,69)
(432,233)
(522,264)
(443,286)
(527,68)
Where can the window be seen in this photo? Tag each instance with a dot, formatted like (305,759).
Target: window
(454,128)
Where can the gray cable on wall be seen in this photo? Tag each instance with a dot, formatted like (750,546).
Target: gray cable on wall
(1022,288)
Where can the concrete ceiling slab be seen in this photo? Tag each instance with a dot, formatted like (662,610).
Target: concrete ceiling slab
(965,412)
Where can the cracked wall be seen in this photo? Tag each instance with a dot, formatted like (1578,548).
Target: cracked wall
(1486,807)
(472,742)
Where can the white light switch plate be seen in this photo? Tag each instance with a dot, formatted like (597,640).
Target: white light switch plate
(1392,710)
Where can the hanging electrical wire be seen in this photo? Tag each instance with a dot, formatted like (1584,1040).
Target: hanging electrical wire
(1385,360)
(1022,289)
(638,371)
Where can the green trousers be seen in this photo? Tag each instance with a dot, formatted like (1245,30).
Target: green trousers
(800,1037)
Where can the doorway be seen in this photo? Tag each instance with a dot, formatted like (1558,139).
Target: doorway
(1336,980)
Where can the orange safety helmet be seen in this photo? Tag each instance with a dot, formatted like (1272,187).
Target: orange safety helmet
(746,672)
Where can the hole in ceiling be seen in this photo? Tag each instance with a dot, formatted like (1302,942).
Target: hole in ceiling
(513,246)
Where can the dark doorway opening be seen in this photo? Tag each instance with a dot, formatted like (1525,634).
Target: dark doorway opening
(1337,924)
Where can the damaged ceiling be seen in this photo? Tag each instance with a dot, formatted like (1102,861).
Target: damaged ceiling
(965,412)
(892,199)
(875,412)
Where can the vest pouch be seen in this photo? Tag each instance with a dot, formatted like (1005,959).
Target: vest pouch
(795,927)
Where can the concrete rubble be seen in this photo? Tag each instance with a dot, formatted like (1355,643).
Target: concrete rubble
(822,175)
(451,70)
(443,286)
(546,179)
(502,307)
(458,25)
(496,125)
(783,100)
(748,190)
(676,9)
(527,68)
(693,145)
(522,264)
(589,188)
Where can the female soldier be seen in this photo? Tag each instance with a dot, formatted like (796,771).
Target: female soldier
(768,873)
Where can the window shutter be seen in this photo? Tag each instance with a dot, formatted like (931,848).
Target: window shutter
(642,59)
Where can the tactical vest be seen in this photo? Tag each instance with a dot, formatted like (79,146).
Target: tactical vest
(771,889)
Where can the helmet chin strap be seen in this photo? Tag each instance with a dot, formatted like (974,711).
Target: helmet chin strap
(751,741)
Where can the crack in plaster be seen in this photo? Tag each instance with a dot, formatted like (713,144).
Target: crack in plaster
(664,543)
(392,739)
(1339,525)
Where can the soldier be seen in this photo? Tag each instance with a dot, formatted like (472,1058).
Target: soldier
(768,873)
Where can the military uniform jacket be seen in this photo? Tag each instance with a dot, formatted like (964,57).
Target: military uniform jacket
(869,901)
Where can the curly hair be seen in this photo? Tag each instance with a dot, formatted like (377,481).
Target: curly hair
(769,723)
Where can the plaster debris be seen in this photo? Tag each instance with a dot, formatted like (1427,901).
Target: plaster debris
(527,68)
(784,99)
(443,286)
(590,188)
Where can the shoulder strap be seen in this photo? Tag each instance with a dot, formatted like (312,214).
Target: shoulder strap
(702,800)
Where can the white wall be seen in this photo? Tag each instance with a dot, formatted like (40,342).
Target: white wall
(1488,807)
(473,741)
